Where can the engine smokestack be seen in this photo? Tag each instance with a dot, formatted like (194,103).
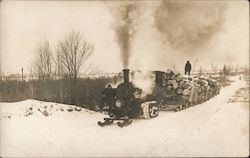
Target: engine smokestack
(126,75)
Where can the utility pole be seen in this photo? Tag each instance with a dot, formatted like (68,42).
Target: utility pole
(22,74)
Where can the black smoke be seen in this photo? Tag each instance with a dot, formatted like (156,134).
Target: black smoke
(125,24)
(188,25)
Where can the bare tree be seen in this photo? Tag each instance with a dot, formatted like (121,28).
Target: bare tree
(30,82)
(200,71)
(59,73)
(227,69)
(213,68)
(237,69)
(174,67)
(194,64)
(42,63)
(73,52)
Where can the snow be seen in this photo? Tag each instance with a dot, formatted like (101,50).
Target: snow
(214,128)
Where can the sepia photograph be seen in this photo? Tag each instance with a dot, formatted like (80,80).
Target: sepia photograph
(124,78)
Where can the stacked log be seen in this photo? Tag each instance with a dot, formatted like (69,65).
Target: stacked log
(190,89)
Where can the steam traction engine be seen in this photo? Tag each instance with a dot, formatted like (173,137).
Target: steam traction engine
(129,105)
(170,91)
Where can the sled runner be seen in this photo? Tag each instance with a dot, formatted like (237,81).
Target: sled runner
(122,122)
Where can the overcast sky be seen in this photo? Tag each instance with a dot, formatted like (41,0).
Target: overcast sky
(25,23)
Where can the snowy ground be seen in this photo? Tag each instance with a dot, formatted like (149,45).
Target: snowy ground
(217,127)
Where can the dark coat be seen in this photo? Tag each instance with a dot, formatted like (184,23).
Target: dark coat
(109,92)
(188,67)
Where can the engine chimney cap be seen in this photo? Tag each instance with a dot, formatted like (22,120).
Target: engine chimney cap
(125,70)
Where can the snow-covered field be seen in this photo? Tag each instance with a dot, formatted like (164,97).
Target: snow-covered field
(217,127)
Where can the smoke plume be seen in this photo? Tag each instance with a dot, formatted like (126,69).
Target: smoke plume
(165,33)
(125,24)
(187,26)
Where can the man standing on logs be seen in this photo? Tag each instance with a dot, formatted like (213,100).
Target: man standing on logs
(188,68)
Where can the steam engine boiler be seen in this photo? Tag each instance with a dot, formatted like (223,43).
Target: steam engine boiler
(128,104)
(128,101)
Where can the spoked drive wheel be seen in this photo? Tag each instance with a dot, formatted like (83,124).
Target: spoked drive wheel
(150,109)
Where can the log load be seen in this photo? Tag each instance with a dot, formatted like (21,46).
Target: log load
(194,90)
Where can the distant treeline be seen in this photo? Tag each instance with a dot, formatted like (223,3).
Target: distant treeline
(88,91)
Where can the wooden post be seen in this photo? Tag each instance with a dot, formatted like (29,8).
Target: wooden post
(22,74)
